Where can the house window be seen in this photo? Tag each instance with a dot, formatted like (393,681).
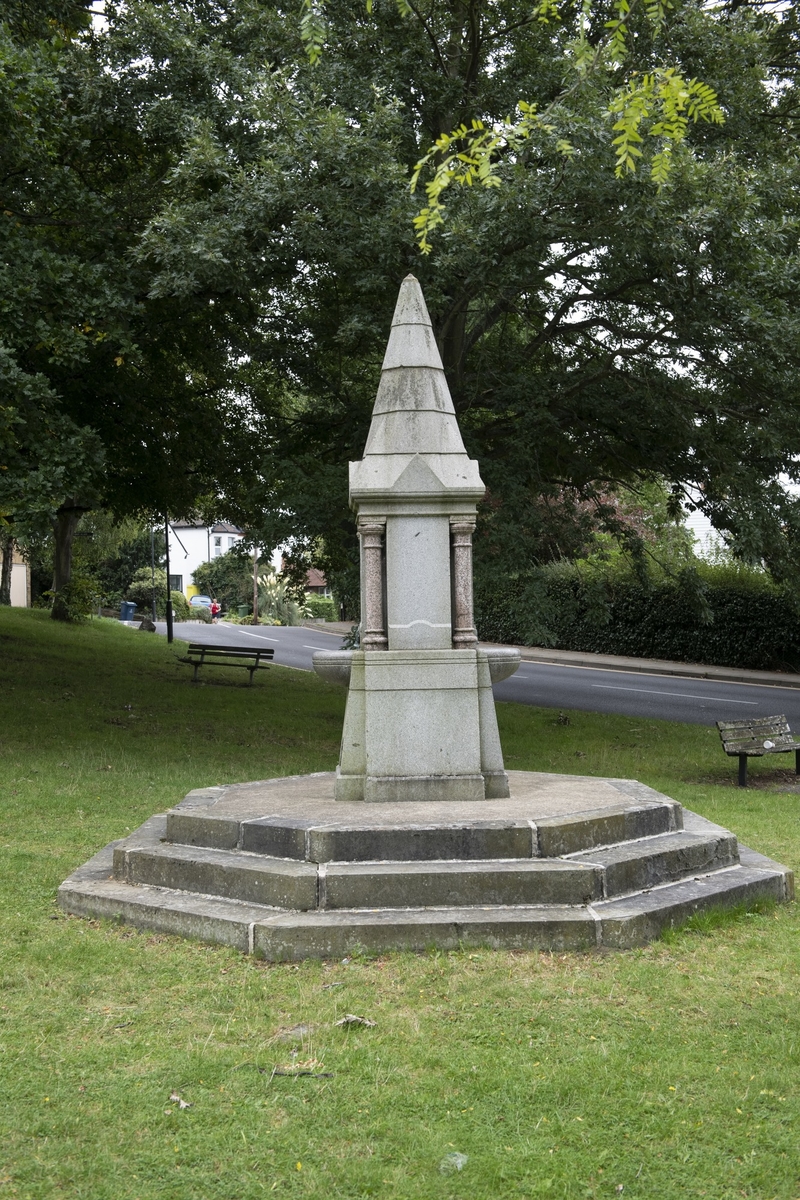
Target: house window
(232,542)
(176,583)
(217,546)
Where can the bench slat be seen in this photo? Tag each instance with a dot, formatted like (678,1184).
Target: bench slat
(241,651)
(752,737)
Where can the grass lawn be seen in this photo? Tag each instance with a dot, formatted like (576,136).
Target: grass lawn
(666,1072)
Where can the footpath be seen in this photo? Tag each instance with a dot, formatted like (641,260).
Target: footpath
(618,662)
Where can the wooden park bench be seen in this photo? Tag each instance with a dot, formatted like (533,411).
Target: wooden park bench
(201,655)
(757,737)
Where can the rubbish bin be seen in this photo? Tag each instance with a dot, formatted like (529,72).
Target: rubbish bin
(127,610)
(243,609)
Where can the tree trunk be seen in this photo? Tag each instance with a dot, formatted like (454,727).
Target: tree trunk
(64,526)
(5,573)
(255,585)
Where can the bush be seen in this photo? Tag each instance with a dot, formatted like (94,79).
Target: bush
(140,589)
(229,578)
(321,608)
(180,606)
(724,616)
(76,600)
(275,600)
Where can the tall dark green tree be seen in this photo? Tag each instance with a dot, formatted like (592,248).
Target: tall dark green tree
(595,329)
(111,395)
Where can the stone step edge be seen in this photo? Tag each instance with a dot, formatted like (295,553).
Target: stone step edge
(618,923)
(291,885)
(550,837)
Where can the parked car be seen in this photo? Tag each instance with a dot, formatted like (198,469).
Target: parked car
(200,602)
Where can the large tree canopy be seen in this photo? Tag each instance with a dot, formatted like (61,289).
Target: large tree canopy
(110,394)
(595,329)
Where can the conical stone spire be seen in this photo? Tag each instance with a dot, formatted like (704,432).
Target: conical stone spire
(414,446)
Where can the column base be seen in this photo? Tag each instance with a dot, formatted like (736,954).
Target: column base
(420,789)
(496,785)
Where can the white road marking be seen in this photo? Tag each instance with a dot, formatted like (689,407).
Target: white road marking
(608,687)
(261,637)
(305,647)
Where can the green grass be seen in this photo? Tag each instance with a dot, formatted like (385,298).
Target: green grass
(669,1071)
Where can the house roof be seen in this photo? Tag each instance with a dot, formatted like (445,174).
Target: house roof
(218,527)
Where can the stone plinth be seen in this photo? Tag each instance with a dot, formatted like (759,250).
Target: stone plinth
(284,870)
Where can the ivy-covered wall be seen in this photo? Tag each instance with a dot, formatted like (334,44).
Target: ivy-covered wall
(716,615)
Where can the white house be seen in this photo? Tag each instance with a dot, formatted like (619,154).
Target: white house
(20,581)
(192,543)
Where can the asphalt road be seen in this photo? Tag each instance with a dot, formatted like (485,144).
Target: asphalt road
(696,701)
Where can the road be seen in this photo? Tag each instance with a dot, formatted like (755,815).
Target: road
(695,701)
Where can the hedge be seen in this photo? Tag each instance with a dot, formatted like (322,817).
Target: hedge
(718,616)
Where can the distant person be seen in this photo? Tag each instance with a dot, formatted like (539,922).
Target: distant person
(216,609)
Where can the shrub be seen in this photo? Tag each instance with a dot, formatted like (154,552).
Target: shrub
(180,606)
(276,601)
(76,600)
(321,608)
(140,589)
(725,616)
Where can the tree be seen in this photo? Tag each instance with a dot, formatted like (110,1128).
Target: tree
(111,395)
(229,577)
(597,330)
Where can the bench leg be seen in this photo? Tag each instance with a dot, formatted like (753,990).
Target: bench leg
(252,671)
(742,770)
(196,666)
(797,762)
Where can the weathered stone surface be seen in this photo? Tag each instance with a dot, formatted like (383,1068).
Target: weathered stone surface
(421,728)
(334,665)
(255,879)
(570,835)
(635,920)
(405,843)
(298,818)
(432,884)
(93,890)
(191,829)
(334,934)
(635,866)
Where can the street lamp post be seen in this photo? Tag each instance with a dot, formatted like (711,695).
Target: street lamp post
(153,572)
(169,593)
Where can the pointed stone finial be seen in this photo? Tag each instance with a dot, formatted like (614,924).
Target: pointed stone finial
(414,445)
(411,340)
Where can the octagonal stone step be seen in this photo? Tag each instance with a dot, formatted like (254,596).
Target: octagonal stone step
(634,866)
(546,816)
(254,879)
(92,891)
(146,859)
(569,862)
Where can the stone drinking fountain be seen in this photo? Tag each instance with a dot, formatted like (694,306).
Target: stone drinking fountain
(420,838)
